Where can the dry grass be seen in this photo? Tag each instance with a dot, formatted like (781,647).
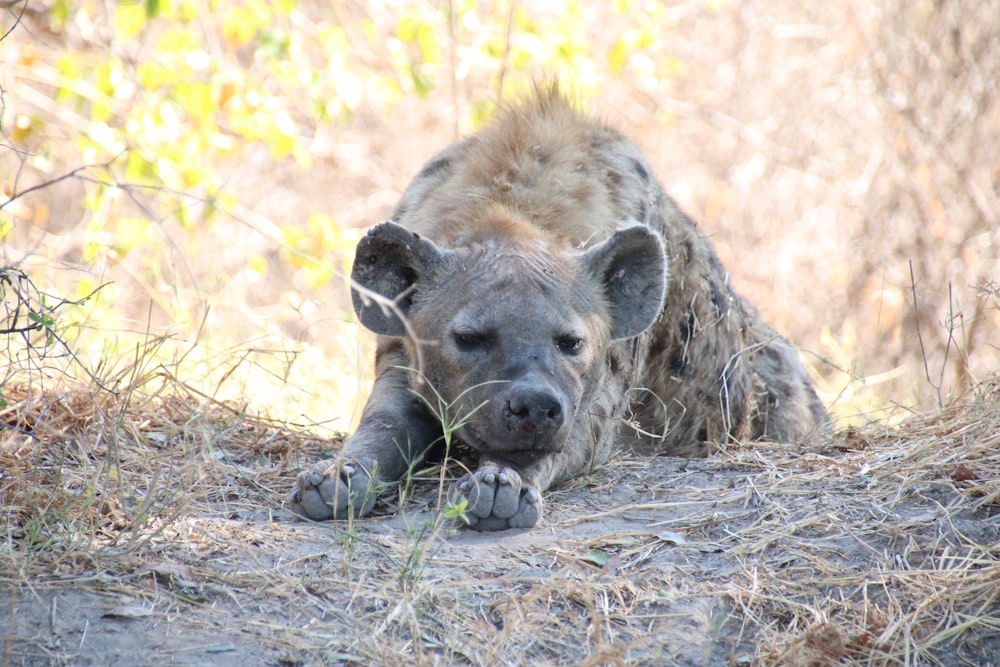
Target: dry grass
(884,552)
(158,511)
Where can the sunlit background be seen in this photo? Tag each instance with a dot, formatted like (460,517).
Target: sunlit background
(202,169)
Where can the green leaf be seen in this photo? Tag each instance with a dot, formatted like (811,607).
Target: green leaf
(456,511)
(178,40)
(672,537)
(129,19)
(196,99)
(43,321)
(239,26)
(618,55)
(275,43)
(58,16)
(597,557)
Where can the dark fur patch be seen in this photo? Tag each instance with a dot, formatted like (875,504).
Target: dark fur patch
(680,366)
(433,167)
(657,346)
(718,299)
(641,169)
(688,250)
(687,327)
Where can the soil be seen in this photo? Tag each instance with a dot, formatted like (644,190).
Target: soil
(648,561)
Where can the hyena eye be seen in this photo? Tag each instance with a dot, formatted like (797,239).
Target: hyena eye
(468,341)
(569,344)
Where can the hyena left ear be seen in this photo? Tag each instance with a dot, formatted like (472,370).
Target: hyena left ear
(390,262)
(632,267)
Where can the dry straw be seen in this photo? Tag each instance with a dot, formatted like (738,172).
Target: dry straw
(159,510)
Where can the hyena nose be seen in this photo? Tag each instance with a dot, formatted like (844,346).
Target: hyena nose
(533,409)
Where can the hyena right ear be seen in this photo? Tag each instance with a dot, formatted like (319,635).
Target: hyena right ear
(632,268)
(389,263)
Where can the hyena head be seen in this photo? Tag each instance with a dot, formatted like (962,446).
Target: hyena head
(511,335)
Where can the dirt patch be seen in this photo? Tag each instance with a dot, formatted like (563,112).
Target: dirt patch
(861,550)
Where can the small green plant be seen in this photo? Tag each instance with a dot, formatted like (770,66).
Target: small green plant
(34,325)
(451,422)
(347,536)
(452,418)
(455,510)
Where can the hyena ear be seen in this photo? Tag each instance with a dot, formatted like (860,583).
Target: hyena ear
(389,263)
(632,267)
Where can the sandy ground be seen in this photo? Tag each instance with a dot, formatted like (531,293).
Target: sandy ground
(655,561)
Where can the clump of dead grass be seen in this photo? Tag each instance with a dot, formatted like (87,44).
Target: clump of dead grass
(89,475)
(920,499)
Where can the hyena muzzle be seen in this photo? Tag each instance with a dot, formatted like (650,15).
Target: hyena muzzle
(539,299)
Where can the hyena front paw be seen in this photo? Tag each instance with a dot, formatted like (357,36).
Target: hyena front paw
(333,489)
(497,499)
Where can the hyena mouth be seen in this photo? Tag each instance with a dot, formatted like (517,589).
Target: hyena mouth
(519,447)
(522,425)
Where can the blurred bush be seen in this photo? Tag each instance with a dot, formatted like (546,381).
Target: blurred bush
(215,162)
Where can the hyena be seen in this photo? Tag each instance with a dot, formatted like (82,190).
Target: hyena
(539,296)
